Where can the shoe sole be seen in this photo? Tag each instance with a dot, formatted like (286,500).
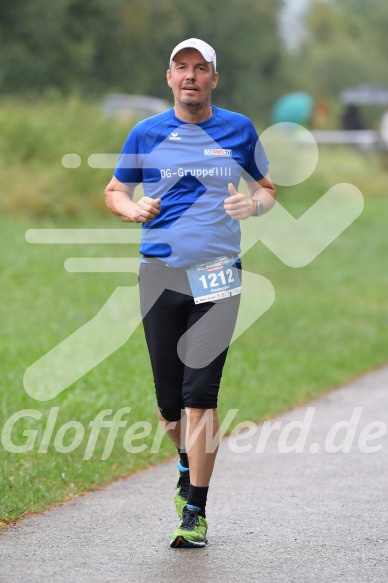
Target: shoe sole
(182,543)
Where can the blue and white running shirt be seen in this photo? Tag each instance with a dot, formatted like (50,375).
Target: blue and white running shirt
(189,166)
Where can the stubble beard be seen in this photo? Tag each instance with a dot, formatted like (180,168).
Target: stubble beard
(193,103)
(190,102)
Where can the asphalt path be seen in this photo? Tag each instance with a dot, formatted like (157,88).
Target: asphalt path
(318,514)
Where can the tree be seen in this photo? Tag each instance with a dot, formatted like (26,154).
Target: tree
(124,45)
(244,34)
(47,44)
(346,44)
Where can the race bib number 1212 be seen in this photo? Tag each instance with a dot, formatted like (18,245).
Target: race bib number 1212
(214,279)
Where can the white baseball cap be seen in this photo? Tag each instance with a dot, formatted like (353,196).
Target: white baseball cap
(208,53)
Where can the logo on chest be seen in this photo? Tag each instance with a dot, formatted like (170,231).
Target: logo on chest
(174,136)
(217,152)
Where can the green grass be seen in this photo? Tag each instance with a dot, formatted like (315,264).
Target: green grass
(326,326)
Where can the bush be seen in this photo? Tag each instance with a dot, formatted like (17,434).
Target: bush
(34,136)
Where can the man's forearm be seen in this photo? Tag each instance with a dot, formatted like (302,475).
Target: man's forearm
(121,204)
(267,196)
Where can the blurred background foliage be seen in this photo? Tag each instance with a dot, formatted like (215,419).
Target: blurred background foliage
(123,46)
(345,43)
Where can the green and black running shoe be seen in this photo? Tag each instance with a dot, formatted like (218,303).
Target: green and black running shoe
(182,491)
(191,531)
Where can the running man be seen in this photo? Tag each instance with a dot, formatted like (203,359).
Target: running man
(190,160)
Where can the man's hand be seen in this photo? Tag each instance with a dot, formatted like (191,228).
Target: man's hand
(119,199)
(238,206)
(145,210)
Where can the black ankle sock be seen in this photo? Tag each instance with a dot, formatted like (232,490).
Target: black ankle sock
(198,497)
(183,458)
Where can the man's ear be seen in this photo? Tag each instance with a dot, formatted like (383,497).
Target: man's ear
(215,80)
(168,76)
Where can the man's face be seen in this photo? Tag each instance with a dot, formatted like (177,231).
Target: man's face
(191,78)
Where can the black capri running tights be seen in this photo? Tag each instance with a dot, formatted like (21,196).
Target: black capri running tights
(187,342)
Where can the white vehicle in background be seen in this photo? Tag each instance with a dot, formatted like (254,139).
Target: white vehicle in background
(125,106)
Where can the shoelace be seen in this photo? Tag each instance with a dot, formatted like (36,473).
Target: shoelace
(189,519)
(184,485)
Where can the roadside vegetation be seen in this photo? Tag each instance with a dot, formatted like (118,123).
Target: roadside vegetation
(326,326)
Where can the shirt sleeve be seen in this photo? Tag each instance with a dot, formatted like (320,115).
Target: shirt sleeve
(256,166)
(128,168)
